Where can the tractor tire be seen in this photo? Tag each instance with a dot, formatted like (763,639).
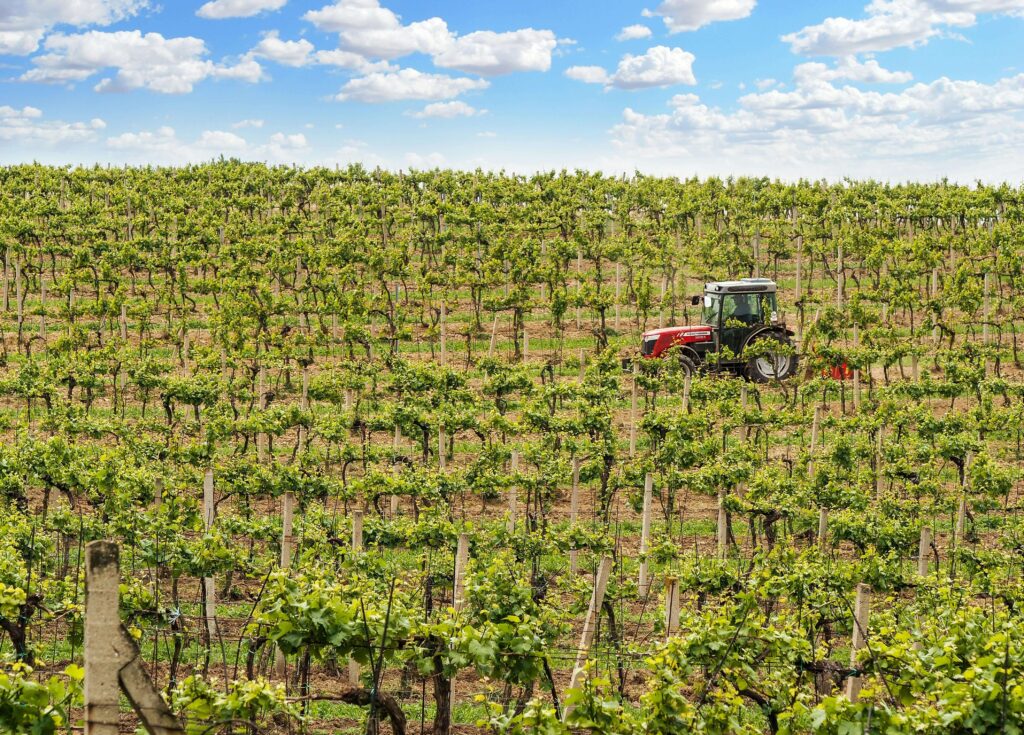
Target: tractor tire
(687,366)
(772,367)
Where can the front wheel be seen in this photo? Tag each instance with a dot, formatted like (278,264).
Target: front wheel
(772,365)
(687,366)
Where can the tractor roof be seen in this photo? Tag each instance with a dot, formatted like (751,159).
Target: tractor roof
(744,285)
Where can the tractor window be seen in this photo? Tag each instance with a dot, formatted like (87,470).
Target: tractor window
(749,308)
(712,310)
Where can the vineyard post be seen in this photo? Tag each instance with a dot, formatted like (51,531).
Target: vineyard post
(757,253)
(934,294)
(671,606)
(494,337)
(604,571)
(644,582)
(42,308)
(815,427)
(513,495)
(915,368)
(441,448)
(287,503)
(632,414)
(102,580)
(261,396)
(124,318)
(112,658)
(618,291)
(856,372)
(687,383)
(357,547)
(861,611)
(823,528)
(574,504)
(461,560)
(923,547)
(961,511)
(209,590)
(7,283)
(444,334)
(799,280)
(304,405)
(396,437)
(723,529)
(840,276)
(158,491)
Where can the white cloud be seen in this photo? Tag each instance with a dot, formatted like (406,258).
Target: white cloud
(633,32)
(407,84)
(689,15)
(165,146)
(26,126)
(289,53)
(219,9)
(768,83)
(456,108)
(249,123)
(660,66)
(430,160)
(150,61)
(366,28)
(587,74)
(946,127)
(24,22)
(891,24)
(867,72)
(489,53)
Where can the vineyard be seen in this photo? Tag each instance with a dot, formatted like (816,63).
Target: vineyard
(379,453)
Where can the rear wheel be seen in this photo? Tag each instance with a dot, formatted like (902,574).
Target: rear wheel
(772,365)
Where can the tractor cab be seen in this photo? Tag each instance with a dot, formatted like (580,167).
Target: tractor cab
(734,315)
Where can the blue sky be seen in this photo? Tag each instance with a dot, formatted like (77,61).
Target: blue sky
(887,89)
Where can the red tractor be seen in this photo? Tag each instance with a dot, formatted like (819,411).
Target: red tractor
(735,315)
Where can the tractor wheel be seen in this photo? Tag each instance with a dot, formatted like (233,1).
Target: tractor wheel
(772,366)
(687,366)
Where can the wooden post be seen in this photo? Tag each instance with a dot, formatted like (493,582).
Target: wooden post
(357,547)
(618,292)
(442,448)
(461,560)
(822,528)
(722,526)
(961,511)
(494,337)
(632,414)
(261,397)
(815,428)
(757,254)
(861,611)
(209,590)
(671,606)
(513,495)
(923,547)
(644,582)
(687,383)
(112,658)
(604,571)
(42,308)
(444,334)
(102,579)
(574,505)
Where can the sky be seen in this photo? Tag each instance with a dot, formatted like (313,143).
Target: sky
(891,90)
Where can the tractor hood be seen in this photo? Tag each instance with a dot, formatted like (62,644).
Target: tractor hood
(657,341)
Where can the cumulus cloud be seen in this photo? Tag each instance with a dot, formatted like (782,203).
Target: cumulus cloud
(366,28)
(219,9)
(407,84)
(689,15)
(489,53)
(891,24)
(26,125)
(165,146)
(633,32)
(289,53)
(660,66)
(867,72)
(248,123)
(821,129)
(23,23)
(141,61)
(456,108)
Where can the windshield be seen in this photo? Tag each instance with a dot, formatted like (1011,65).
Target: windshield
(747,308)
(712,311)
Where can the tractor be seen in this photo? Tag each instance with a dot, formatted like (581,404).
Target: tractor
(735,315)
